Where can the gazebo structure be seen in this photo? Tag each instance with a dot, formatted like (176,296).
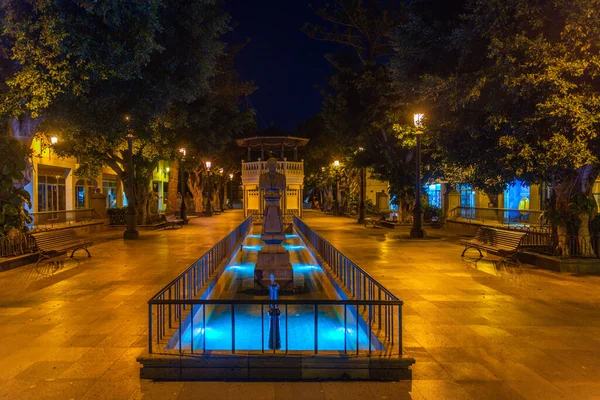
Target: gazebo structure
(263,147)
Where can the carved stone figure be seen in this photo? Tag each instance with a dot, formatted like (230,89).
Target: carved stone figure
(272,179)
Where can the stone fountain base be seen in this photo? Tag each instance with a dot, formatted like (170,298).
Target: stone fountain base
(273,259)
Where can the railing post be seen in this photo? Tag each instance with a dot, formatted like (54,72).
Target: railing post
(345,328)
(400,330)
(232,328)
(150,328)
(316,328)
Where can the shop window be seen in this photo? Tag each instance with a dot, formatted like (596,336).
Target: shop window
(467,201)
(434,193)
(109,188)
(51,193)
(83,189)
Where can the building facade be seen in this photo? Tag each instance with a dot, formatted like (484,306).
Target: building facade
(58,195)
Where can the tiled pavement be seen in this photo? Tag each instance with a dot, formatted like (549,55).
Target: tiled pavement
(476,332)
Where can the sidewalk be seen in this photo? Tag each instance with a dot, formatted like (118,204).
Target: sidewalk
(476,331)
(75,332)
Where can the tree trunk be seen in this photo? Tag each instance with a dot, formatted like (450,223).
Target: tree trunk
(574,242)
(588,175)
(173,188)
(197,182)
(563,192)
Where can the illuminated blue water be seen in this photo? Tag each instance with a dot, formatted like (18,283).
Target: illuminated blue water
(297,324)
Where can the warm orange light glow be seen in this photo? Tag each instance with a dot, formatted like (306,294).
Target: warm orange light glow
(418,119)
(53,140)
(230,176)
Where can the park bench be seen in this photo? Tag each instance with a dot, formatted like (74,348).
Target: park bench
(172,220)
(52,243)
(501,242)
(216,211)
(376,222)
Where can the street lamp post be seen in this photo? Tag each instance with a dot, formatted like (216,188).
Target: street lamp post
(183,208)
(362,192)
(336,164)
(131,232)
(417,230)
(209,207)
(230,195)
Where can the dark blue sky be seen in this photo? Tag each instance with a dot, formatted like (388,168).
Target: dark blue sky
(282,61)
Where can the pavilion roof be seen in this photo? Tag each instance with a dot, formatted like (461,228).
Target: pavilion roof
(272,142)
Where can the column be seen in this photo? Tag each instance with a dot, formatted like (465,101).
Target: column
(245,201)
(69,189)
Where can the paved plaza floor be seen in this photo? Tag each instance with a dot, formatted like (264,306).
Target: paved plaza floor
(73,331)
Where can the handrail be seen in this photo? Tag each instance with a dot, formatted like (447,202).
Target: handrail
(331,256)
(324,302)
(231,239)
(179,305)
(75,210)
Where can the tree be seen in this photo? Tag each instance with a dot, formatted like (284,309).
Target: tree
(516,99)
(13,157)
(211,124)
(157,100)
(52,48)
(362,26)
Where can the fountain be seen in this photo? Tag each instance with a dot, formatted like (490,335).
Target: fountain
(332,321)
(273,258)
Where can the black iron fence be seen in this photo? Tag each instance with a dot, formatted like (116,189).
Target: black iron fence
(16,245)
(50,218)
(360,284)
(503,216)
(562,245)
(179,314)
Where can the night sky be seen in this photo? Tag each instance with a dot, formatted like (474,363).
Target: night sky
(284,63)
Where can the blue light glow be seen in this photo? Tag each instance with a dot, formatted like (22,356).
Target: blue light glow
(252,247)
(243,268)
(213,331)
(306,267)
(293,247)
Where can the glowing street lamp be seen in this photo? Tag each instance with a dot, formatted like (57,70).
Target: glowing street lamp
(230,190)
(336,164)
(209,210)
(131,232)
(417,230)
(53,140)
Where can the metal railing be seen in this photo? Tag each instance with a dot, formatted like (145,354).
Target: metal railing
(358,282)
(181,307)
(503,216)
(16,245)
(50,218)
(560,245)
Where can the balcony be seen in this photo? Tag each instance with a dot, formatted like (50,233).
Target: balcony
(293,171)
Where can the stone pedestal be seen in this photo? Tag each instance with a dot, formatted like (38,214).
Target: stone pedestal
(273,258)
(98,204)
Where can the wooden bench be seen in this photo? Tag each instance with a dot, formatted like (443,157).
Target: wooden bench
(52,243)
(376,222)
(216,211)
(501,242)
(172,220)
